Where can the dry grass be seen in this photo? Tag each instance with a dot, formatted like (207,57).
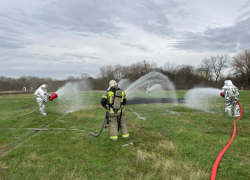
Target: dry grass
(166,147)
(163,166)
(143,156)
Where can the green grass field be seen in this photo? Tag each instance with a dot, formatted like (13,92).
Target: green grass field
(171,146)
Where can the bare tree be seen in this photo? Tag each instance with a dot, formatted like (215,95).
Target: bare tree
(241,65)
(147,67)
(107,72)
(170,67)
(205,70)
(118,72)
(84,76)
(139,69)
(218,64)
(71,78)
(186,76)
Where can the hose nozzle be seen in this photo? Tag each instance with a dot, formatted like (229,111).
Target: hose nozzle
(222,95)
(53,96)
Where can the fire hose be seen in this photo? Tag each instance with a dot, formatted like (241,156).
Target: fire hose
(103,122)
(26,113)
(217,161)
(53,96)
(33,110)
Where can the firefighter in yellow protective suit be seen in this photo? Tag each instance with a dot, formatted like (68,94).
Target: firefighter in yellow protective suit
(113,101)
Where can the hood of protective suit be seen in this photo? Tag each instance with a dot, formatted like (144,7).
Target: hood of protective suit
(228,83)
(44,87)
(42,91)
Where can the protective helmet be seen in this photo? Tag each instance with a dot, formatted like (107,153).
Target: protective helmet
(228,83)
(44,87)
(112,83)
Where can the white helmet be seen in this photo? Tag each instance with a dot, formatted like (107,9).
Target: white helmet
(112,83)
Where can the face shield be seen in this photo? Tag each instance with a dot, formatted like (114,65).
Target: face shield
(44,87)
(228,83)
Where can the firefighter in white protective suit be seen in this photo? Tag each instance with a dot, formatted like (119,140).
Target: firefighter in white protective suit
(42,97)
(231,95)
(148,91)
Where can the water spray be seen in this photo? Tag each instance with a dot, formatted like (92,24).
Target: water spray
(156,82)
(202,98)
(69,97)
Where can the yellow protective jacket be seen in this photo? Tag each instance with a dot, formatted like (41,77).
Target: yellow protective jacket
(107,101)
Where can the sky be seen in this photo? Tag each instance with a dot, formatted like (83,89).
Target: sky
(62,38)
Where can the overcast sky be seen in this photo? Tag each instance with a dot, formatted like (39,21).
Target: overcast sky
(61,38)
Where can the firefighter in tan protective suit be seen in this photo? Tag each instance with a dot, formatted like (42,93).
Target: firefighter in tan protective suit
(113,101)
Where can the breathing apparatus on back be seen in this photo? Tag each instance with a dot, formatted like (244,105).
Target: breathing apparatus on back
(116,97)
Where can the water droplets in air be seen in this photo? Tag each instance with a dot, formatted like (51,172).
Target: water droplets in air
(204,99)
(69,97)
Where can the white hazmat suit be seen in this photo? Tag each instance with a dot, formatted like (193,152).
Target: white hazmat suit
(42,97)
(231,97)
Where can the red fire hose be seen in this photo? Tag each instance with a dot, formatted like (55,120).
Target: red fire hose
(217,161)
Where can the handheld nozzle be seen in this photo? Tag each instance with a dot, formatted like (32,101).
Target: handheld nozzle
(222,95)
(53,96)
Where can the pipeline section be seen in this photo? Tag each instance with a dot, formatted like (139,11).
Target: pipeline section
(217,161)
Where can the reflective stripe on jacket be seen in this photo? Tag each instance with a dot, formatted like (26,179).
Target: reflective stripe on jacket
(109,96)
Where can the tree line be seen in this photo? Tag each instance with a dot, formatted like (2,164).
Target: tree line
(210,72)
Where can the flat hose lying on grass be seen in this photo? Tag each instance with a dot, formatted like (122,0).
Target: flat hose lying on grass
(103,122)
(217,161)
(26,113)
(33,110)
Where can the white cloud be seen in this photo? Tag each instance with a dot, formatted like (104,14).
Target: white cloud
(63,38)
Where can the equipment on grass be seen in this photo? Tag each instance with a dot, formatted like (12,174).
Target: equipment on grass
(129,144)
